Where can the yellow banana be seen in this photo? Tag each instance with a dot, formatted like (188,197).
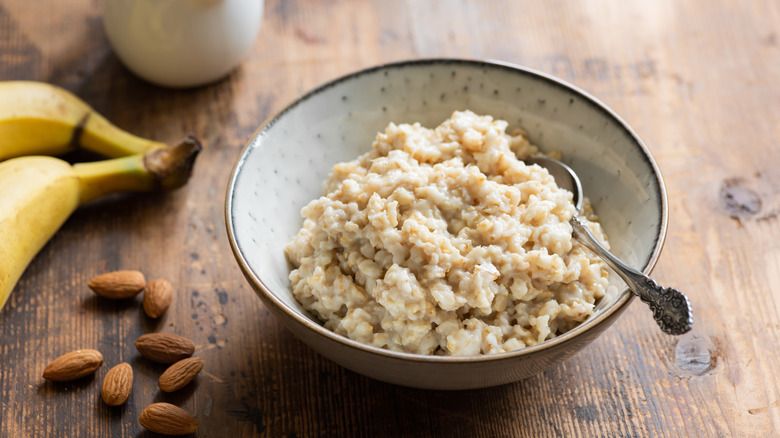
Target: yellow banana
(39,193)
(37,118)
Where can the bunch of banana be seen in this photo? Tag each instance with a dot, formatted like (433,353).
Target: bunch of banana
(38,193)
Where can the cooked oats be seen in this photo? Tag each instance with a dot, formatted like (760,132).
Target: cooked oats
(442,241)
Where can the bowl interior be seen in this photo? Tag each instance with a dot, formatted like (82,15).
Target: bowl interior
(283,166)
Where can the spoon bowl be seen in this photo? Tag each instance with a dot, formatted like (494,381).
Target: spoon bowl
(671,308)
(564,177)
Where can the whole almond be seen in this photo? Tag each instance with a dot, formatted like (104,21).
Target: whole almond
(73,365)
(178,375)
(164,347)
(118,285)
(158,295)
(167,419)
(117,384)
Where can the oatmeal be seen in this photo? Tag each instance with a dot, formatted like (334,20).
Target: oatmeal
(442,241)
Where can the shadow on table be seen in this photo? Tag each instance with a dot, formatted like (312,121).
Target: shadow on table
(299,393)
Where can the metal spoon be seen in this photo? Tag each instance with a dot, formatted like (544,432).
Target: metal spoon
(671,308)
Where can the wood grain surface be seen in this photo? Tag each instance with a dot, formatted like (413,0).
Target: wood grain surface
(696,79)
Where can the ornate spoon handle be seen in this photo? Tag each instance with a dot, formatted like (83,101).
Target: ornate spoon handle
(671,308)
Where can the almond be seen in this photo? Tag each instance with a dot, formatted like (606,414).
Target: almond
(73,365)
(117,384)
(178,375)
(158,295)
(164,347)
(118,285)
(167,419)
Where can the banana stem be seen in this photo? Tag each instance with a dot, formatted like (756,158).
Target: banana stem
(159,169)
(99,135)
(101,178)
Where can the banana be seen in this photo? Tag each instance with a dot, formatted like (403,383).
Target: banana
(37,118)
(40,192)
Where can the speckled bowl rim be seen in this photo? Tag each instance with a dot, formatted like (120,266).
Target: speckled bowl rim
(623,300)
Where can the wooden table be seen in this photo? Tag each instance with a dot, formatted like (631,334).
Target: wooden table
(697,79)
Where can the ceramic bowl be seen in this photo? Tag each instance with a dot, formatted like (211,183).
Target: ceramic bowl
(284,163)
